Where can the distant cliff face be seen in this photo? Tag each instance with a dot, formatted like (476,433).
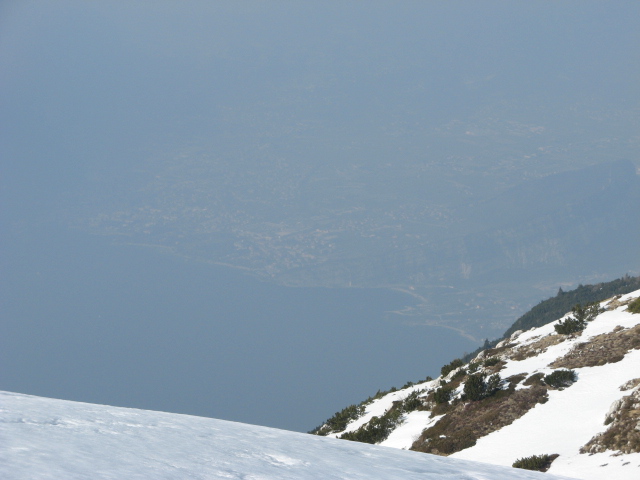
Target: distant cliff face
(571,396)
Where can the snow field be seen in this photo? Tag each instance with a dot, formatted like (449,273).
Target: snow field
(42,438)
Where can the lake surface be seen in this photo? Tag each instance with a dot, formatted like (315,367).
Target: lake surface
(86,319)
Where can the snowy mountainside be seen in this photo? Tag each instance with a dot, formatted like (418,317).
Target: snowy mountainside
(572,395)
(42,438)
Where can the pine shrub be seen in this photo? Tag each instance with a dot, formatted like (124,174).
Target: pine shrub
(412,402)
(568,326)
(448,368)
(477,388)
(340,420)
(560,378)
(377,429)
(473,367)
(442,395)
(634,307)
(490,362)
(577,322)
(541,463)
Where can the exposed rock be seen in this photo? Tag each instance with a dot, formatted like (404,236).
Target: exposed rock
(623,418)
(630,384)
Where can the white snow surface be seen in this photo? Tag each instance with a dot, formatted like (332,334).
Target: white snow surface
(566,422)
(42,438)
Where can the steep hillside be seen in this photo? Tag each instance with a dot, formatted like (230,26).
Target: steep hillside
(572,396)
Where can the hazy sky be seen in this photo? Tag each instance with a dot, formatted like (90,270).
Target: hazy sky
(92,94)
(86,83)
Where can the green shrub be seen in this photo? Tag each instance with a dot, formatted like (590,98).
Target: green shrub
(443,395)
(634,307)
(540,463)
(490,362)
(577,322)
(412,402)
(448,368)
(340,420)
(377,430)
(560,378)
(570,325)
(477,388)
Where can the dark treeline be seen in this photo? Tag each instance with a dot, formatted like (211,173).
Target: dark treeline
(555,307)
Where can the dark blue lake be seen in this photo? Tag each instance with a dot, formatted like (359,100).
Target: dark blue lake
(85,319)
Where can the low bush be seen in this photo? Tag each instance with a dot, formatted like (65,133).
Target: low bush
(577,322)
(377,429)
(448,368)
(560,378)
(477,388)
(541,463)
(442,395)
(568,326)
(634,307)
(490,362)
(412,402)
(340,420)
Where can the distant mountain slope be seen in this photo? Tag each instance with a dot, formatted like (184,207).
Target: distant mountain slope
(552,308)
(538,392)
(42,438)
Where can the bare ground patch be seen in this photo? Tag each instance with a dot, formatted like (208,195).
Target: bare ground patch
(467,422)
(602,349)
(535,348)
(615,303)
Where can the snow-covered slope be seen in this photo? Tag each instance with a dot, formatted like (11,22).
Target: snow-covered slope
(42,438)
(598,414)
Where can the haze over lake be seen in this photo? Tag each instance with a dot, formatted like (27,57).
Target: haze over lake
(231,197)
(129,326)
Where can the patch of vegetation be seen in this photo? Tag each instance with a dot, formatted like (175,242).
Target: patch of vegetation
(515,379)
(634,307)
(601,349)
(465,423)
(477,388)
(443,395)
(448,368)
(412,402)
(541,463)
(577,322)
(473,367)
(535,379)
(340,420)
(537,347)
(377,429)
(561,378)
(490,362)
(569,326)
